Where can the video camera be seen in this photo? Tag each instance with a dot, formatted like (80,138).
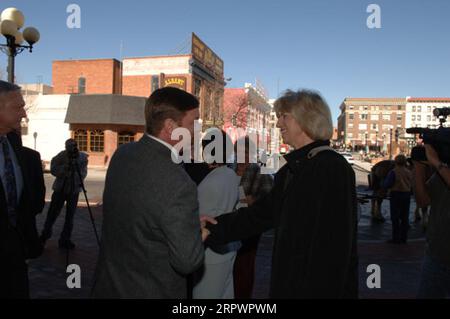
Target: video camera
(438,138)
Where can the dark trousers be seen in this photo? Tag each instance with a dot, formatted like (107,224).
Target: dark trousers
(400,202)
(244,268)
(57,203)
(13,268)
(435,280)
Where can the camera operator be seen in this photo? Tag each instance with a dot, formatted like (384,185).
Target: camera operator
(435,280)
(68,166)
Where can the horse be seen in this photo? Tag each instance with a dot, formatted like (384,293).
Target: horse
(376,177)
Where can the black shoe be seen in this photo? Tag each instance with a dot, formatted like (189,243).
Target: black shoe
(66,244)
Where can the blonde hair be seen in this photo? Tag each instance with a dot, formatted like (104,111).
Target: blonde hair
(310,111)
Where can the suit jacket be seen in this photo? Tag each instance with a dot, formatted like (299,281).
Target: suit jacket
(31,202)
(151,232)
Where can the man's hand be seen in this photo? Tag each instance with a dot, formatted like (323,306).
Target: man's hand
(204,219)
(205,233)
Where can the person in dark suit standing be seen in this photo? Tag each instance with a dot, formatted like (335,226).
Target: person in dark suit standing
(151,235)
(22,196)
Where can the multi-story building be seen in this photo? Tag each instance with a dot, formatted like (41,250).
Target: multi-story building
(370,123)
(107,96)
(247,111)
(419,111)
(200,72)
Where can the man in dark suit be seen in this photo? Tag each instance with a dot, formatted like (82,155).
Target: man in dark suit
(151,235)
(22,196)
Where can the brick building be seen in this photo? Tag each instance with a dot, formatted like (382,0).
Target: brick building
(248,109)
(367,123)
(200,73)
(98,76)
(101,123)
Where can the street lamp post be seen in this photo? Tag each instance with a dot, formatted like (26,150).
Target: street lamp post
(11,21)
(367,141)
(390,144)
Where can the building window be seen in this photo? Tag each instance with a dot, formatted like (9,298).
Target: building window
(374,126)
(364,117)
(197,88)
(81,137)
(399,107)
(413,117)
(351,107)
(428,118)
(374,117)
(81,85)
(386,117)
(155,83)
(429,108)
(97,141)
(351,116)
(124,138)
(350,135)
(363,126)
(399,117)
(366,108)
(414,108)
(419,109)
(350,125)
(419,118)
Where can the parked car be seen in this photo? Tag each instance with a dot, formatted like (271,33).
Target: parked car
(349,158)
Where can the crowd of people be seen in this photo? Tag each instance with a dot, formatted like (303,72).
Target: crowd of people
(191,230)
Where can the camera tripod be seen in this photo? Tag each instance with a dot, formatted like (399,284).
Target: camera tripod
(75,168)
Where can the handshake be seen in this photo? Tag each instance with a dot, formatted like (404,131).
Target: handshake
(204,220)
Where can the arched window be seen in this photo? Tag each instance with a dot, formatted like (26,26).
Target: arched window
(124,138)
(97,141)
(81,137)
(81,85)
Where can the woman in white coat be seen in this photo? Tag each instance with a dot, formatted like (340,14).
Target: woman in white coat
(218,194)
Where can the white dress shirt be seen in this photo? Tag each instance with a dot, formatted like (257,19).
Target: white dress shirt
(175,155)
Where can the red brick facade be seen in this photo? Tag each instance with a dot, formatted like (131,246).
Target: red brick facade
(102,76)
(110,140)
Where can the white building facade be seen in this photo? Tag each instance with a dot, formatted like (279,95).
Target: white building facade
(45,129)
(419,111)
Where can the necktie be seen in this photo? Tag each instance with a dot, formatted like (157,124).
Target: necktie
(10,181)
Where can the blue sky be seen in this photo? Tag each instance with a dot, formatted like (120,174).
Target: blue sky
(317,44)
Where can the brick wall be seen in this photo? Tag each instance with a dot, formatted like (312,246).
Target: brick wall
(102,76)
